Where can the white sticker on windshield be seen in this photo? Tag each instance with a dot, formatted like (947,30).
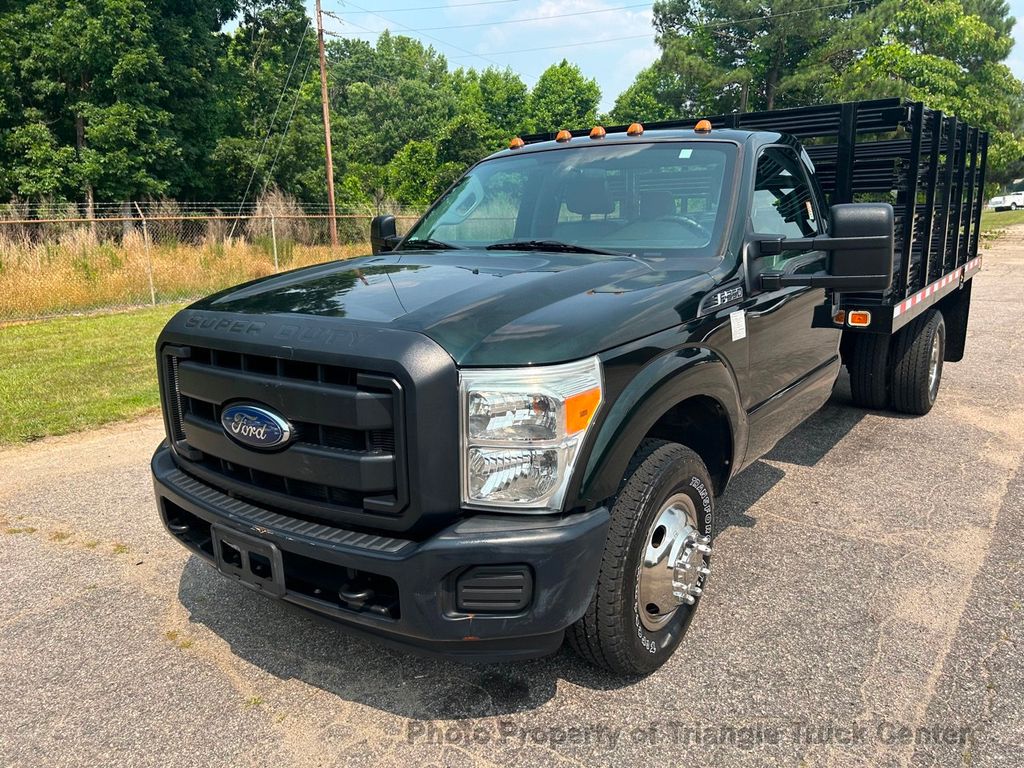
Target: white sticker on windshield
(685,153)
(738,323)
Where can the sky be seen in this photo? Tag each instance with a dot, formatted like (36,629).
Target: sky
(610,40)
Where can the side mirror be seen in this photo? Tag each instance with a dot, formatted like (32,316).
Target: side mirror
(383,234)
(860,250)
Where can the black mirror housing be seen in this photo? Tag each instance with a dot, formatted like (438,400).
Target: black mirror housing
(868,268)
(860,250)
(383,234)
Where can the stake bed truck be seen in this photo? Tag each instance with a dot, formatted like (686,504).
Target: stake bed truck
(509,426)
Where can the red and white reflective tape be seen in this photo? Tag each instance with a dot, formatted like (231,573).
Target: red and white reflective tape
(929,290)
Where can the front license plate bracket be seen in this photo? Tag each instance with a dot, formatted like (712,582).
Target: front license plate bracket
(253,561)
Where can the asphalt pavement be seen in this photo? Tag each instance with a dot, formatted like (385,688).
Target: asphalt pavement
(866,609)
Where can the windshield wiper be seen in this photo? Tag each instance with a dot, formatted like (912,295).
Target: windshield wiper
(427,242)
(555,246)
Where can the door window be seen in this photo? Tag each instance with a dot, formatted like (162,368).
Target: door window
(783,204)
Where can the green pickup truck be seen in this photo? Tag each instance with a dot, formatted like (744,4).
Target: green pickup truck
(510,426)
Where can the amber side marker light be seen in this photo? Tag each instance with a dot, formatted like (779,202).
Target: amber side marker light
(703,126)
(839,318)
(597,132)
(563,135)
(516,143)
(635,129)
(858,319)
(580,409)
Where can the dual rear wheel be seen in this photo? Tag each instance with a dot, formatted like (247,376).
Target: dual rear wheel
(902,372)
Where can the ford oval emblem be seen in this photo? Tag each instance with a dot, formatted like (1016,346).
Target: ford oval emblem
(256,427)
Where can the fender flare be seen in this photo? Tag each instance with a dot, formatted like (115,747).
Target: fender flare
(663,383)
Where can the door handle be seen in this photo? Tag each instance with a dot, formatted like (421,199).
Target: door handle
(768,310)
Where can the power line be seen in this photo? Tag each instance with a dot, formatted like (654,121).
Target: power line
(431,37)
(287,125)
(568,45)
(441,7)
(270,128)
(537,18)
(694,28)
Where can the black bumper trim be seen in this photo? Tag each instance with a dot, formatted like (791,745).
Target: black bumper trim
(241,513)
(563,553)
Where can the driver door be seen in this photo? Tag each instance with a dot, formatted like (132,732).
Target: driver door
(791,363)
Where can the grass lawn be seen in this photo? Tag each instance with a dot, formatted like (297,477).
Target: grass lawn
(993,220)
(59,376)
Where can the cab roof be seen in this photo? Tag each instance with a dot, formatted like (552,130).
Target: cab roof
(545,142)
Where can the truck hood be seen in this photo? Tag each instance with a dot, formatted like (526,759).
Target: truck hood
(484,307)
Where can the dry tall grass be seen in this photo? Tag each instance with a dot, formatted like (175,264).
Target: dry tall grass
(78,267)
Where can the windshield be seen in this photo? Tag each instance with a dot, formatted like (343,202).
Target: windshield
(654,199)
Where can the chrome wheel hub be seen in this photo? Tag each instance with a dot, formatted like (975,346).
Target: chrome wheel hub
(934,361)
(675,563)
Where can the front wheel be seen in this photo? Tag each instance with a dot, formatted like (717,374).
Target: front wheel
(655,564)
(1013,206)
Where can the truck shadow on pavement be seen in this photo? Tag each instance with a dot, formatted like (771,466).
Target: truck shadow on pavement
(287,643)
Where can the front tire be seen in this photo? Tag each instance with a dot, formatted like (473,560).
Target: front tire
(661,518)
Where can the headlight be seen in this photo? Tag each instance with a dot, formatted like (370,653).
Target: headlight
(522,429)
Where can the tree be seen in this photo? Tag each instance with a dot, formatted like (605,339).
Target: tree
(563,98)
(743,54)
(260,78)
(936,52)
(654,95)
(121,83)
(503,100)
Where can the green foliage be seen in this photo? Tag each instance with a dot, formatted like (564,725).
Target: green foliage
(563,98)
(743,54)
(119,99)
(936,52)
(654,95)
(726,55)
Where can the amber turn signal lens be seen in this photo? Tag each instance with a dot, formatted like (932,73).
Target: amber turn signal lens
(580,409)
(563,135)
(597,132)
(703,126)
(859,319)
(839,318)
(516,143)
(635,129)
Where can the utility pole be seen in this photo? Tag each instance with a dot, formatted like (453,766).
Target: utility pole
(327,125)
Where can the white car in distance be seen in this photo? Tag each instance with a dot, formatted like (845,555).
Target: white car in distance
(1011,201)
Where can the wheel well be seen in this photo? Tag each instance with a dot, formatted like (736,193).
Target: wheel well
(702,425)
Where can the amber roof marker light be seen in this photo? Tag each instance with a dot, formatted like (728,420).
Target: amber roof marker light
(597,132)
(635,129)
(563,135)
(516,143)
(703,126)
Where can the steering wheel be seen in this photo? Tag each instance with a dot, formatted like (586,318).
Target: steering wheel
(696,226)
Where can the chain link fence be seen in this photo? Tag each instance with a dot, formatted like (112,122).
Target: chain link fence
(140,255)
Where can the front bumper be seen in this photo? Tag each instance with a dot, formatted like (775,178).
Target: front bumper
(563,555)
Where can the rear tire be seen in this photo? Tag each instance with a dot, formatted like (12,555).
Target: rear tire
(917,363)
(662,477)
(869,370)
